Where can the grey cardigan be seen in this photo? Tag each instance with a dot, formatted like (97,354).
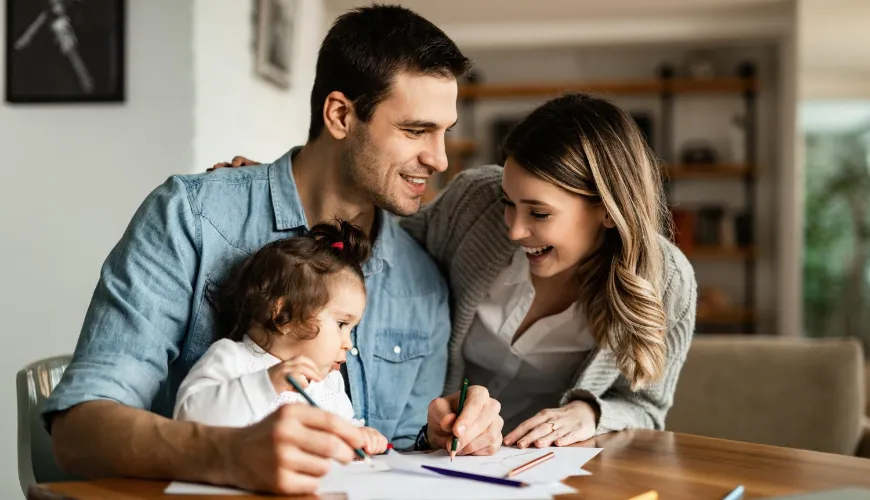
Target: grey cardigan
(464,231)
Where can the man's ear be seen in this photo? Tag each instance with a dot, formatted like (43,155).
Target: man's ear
(338,111)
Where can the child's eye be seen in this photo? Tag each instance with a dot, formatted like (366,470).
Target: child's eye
(342,324)
(506,202)
(539,215)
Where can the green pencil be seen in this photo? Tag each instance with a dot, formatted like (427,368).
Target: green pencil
(305,395)
(462,394)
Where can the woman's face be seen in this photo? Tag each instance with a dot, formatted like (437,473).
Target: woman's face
(556,228)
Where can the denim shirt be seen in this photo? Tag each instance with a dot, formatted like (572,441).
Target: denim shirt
(150,320)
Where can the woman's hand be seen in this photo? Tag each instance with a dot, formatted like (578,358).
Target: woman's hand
(237,161)
(572,423)
(302,369)
(376,443)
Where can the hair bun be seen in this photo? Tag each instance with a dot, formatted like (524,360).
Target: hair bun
(344,238)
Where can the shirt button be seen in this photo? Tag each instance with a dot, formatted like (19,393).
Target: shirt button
(397,349)
(354,351)
(362,421)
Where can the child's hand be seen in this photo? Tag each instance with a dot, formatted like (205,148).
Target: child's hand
(302,370)
(376,442)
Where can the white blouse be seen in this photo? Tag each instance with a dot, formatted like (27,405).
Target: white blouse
(230,386)
(531,374)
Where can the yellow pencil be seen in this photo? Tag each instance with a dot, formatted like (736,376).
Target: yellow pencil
(649,495)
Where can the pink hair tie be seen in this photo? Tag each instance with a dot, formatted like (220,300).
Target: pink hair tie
(339,245)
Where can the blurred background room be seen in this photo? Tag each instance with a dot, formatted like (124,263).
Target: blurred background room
(758,109)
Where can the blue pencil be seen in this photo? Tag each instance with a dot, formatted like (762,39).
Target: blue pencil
(736,493)
(298,388)
(476,477)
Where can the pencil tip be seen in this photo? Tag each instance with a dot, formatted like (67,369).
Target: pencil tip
(452,455)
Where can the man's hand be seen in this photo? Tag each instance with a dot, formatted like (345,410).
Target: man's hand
(478,427)
(288,451)
(238,161)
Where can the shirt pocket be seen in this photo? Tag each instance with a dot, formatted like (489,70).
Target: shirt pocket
(204,330)
(398,356)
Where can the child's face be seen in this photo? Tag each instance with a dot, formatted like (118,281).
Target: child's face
(342,313)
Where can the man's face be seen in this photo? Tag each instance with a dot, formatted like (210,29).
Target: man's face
(390,158)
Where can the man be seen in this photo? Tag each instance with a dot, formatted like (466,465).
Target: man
(384,95)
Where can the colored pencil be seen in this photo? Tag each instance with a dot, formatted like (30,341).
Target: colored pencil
(476,477)
(305,395)
(462,394)
(649,495)
(736,493)
(528,465)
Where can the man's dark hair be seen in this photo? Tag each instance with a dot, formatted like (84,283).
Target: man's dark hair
(367,47)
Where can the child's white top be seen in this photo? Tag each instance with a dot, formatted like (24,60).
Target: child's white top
(229,386)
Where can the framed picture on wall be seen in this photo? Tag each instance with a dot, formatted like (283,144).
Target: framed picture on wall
(65,51)
(274,40)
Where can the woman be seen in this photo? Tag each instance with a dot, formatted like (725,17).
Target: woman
(578,317)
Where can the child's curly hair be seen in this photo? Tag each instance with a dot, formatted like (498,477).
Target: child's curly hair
(285,284)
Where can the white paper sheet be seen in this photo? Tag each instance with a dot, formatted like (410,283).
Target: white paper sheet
(399,485)
(399,476)
(182,488)
(567,462)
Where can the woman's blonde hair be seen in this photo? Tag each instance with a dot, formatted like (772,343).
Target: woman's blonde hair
(592,148)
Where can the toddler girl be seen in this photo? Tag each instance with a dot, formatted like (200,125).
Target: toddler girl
(286,310)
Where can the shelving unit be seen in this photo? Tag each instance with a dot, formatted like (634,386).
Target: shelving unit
(666,89)
(623,87)
(674,172)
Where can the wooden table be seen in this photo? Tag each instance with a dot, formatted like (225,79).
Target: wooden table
(632,462)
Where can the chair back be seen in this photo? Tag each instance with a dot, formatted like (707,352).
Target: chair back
(797,393)
(36,462)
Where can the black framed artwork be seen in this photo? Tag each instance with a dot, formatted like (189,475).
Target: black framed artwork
(65,51)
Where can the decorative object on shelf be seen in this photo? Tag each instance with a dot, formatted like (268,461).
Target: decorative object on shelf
(728,234)
(698,152)
(743,229)
(684,228)
(747,70)
(708,228)
(644,121)
(64,51)
(699,65)
(666,71)
(737,138)
(274,48)
(712,299)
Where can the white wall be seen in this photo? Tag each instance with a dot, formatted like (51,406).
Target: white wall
(833,57)
(237,112)
(72,177)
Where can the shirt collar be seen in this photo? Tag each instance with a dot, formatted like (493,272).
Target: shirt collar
(385,242)
(518,271)
(289,213)
(286,203)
